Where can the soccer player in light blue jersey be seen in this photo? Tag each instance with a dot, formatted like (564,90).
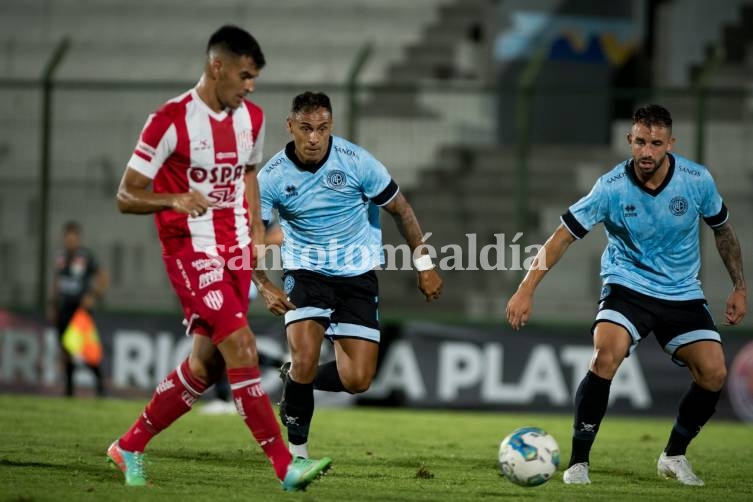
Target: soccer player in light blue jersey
(651,207)
(328,192)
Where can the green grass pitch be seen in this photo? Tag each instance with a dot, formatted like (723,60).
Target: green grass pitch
(54,449)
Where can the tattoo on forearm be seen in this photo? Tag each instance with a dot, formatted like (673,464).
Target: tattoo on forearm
(729,249)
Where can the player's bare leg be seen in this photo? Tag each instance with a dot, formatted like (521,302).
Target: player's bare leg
(297,404)
(705,360)
(356,363)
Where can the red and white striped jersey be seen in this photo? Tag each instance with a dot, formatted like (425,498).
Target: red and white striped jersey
(187,146)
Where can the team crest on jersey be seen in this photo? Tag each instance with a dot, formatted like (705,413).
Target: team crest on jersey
(245,139)
(214,299)
(336,179)
(678,205)
(289,284)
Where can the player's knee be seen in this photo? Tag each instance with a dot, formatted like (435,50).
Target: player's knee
(357,382)
(201,368)
(239,349)
(713,378)
(605,364)
(304,367)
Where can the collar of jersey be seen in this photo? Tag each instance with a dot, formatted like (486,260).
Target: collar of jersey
(312,168)
(215,115)
(630,167)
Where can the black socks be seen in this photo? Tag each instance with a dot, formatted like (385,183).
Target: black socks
(696,408)
(590,407)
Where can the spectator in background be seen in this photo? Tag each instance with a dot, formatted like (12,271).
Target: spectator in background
(78,283)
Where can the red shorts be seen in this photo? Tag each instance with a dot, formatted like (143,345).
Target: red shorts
(212,291)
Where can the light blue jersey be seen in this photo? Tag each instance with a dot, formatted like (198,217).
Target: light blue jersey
(329,212)
(653,245)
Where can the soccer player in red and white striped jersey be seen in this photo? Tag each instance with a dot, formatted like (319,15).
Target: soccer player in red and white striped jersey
(195,152)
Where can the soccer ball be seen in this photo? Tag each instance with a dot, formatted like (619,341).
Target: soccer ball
(529,456)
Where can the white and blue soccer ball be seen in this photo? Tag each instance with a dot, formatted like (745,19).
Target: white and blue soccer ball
(529,456)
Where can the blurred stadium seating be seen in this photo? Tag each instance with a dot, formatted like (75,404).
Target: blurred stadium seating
(436,134)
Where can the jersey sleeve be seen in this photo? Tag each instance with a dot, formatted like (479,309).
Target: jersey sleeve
(376,182)
(157,142)
(258,151)
(267,197)
(582,216)
(712,207)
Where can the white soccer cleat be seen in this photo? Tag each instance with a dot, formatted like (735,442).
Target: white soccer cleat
(679,468)
(577,474)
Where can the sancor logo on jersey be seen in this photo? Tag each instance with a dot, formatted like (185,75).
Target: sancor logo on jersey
(678,205)
(336,179)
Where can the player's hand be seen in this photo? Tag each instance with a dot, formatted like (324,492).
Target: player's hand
(430,284)
(736,307)
(191,203)
(519,309)
(277,301)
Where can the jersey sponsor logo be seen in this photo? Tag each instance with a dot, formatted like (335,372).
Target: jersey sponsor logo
(692,172)
(616,177)
(245,139)
(214,299)
(276,163)
(288,284)
(206,264)
(225,155)
(145,148)
(291,191)
(336,179)
(630,211)
(678,205)
(346,151)
(223,195)
(199,145)
(210,277)
(166,384)
(217,174)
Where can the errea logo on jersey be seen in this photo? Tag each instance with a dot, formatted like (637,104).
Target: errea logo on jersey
(630,211)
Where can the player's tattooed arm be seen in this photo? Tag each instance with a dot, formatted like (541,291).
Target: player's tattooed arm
(729,249)
(429,281)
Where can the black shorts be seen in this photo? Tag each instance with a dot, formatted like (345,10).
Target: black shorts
(674,323)
(347,307)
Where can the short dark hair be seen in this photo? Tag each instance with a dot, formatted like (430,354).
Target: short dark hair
(71,227)
(308,101)
(653,115)
(237,41)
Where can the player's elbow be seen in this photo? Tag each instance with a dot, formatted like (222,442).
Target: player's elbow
(124,201)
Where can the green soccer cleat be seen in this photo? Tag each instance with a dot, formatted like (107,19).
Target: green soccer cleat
(131,463)
(302,471)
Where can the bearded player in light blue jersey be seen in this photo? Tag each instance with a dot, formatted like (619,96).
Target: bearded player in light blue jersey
(328,192)
(651,207)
